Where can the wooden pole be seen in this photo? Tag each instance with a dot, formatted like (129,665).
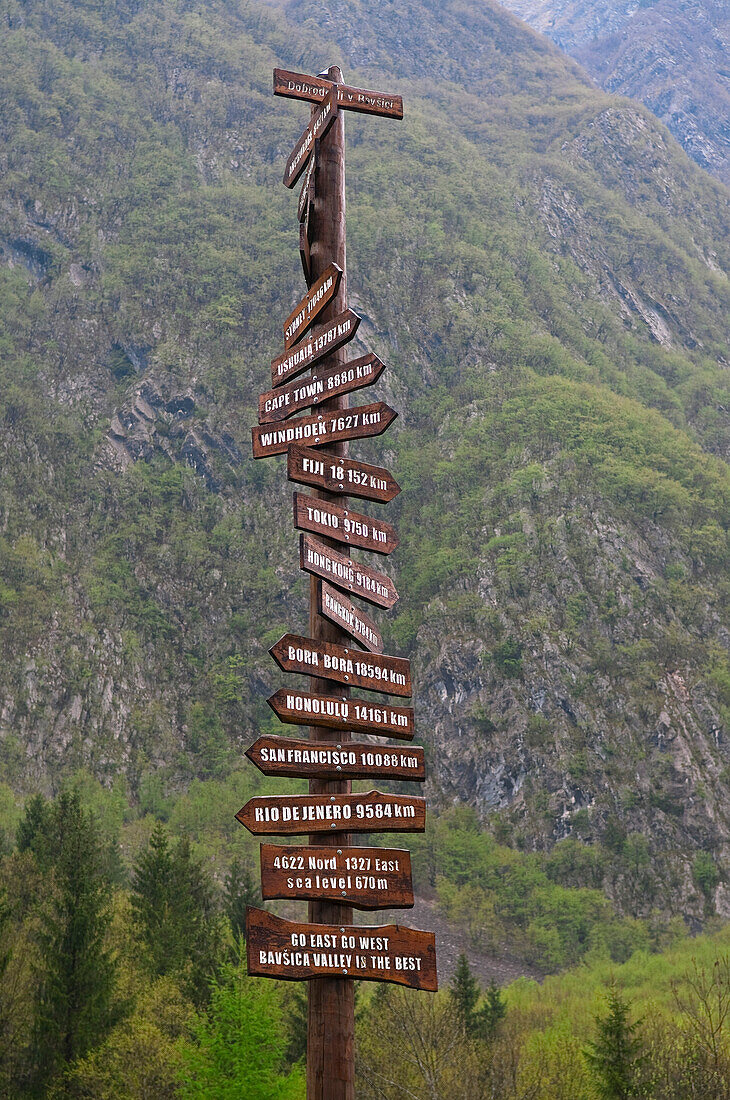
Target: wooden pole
(331,1012)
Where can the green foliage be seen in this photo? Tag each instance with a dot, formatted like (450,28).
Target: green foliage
(75,994)
(706,874)
(478,1022)
(172,901)
(539,907)
(614,1054)
(142,1056)
(239,1045)
(508,657)
(465,994)
(241,891)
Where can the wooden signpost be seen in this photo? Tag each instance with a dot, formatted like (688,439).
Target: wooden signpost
(340,712)
(294,814)
(332,605)
(323,518)
(340,476)
(389,675)
(336,760)
(324,427)
(314,301)
(277,948)
(322,561)
(370,878)
(330,874)
(316,88)
(278,404)
(321,341)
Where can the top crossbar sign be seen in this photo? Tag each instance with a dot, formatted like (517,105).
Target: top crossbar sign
(315,89)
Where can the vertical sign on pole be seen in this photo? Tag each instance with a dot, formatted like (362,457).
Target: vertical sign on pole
(344,646)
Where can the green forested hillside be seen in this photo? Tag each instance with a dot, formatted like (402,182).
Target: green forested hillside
(543,271)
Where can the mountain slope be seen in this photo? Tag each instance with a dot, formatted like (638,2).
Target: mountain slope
(674,57)
(543,271)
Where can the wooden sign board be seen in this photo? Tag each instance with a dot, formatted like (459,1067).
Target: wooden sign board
(320,342)
(337,712)
(306,195)
(360,580)
(315,129)
(306,311)
(277,948)
(338,609)
(382,673)
(295,814)
(368,878)
(340,475)
(283,756)
(315,88)
(322,428)
(284,401)
(334,522)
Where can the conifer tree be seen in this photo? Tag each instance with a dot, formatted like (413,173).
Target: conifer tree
(172,902)
(76,973)
(240,892)
(35,833)
(492,1012)
(614,1056)
(465,993)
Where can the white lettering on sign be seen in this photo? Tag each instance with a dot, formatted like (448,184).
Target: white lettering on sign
(350,617)
(330,334)
(380,716)
(346,572)
(319,429)
(312,347)
(287,755)
(312,704)
(308,138)
(349,665)
(343,96)
(324,519)
(284,958)
(313,466)
(304,656)
(311,305)
(361,668)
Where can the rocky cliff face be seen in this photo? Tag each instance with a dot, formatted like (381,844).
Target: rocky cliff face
(672,56)
(545,274)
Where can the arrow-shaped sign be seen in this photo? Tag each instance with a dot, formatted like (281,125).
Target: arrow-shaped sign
(335,522)
(374,672)
(296,814)
(317,127)
(283,756)
(359,580)
(284,401)
(306,311)
(338,609)
(302,708)
(320,342)
(322,428)
(340,475)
